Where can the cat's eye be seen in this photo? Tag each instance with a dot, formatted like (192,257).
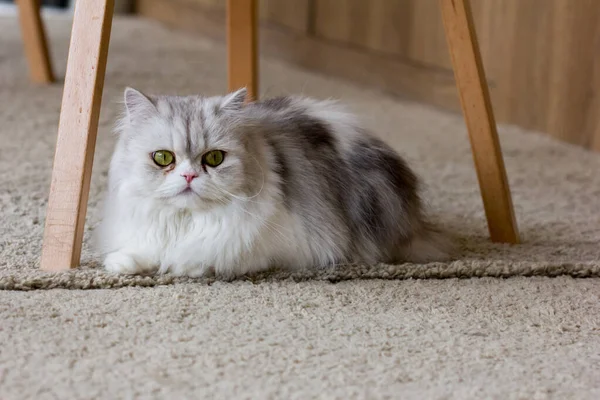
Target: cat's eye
(213,158)
(163,158)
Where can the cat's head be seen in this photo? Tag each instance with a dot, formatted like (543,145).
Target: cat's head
(189,152)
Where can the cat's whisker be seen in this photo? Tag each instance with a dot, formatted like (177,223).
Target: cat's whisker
(330,195)
(262,186)
(264,221)
(337,249)
(270,225)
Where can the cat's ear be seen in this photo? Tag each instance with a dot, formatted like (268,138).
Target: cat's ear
(139,106)
(235,100)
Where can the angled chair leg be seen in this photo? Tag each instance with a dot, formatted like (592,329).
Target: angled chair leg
(479,117)
(34,41)
(242,46)
(67,204)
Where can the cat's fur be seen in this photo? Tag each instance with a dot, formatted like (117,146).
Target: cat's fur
(302,185)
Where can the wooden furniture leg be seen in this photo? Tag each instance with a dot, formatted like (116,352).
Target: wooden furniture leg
(242,46)
(67,205)
(34,40)
(479,117)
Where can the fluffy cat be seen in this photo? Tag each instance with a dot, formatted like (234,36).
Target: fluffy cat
(213,185)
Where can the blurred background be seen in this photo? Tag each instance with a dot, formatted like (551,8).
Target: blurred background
(541,57)
(7,6)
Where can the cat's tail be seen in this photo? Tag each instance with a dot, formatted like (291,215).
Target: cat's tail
(429,244)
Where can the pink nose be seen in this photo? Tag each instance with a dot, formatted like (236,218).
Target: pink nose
(189,176)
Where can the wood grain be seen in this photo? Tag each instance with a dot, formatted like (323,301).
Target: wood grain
(291,14)
(477,109)
(394,75)
(540,56)
(34,41)
(242,46)
(78,125)
(407,29)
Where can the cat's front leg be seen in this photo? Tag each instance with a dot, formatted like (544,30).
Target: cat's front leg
(127,263)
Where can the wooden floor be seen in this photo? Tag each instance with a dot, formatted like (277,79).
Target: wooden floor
(540,56)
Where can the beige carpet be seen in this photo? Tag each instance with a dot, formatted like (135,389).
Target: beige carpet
(487,338)
(300,336)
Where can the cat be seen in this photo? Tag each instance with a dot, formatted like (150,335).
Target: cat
(202,186)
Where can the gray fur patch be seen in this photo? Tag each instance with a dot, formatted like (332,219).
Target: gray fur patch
(356,198)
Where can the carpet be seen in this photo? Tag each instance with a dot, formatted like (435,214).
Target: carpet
(556,187)
(379,331)
(484,338)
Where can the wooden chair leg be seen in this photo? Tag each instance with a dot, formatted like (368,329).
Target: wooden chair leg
(242,46)
(77,129)
(34,40)
(479,117)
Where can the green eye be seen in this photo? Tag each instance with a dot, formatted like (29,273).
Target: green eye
(163,158)
(213,158)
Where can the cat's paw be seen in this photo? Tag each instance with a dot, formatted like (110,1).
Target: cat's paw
(122,263)
(188,270)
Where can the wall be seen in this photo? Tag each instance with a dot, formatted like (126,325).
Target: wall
(542,57)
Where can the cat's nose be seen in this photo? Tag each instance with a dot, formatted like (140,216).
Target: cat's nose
(189,176)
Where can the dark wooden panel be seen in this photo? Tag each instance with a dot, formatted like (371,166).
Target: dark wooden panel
(292,14)
(423,84)
(540,56)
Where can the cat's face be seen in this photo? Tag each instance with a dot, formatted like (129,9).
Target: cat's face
(189,152)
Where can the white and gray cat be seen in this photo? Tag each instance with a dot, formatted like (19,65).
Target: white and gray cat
(213,185)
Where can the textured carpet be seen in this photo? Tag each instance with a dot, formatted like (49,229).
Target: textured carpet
(300,336)
(518,338)
(556,187)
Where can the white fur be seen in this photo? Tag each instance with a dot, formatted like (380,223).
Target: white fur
(142,236)
(148,229)
(231,220)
